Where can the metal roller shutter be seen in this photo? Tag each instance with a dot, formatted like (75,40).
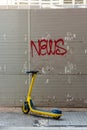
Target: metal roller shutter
(13,56)
(63,79)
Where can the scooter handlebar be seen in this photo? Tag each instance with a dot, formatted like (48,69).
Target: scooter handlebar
(32,72)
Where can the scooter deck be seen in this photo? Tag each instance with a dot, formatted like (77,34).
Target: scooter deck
(55,111)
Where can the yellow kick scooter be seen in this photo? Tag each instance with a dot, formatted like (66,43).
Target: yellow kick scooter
(28,106)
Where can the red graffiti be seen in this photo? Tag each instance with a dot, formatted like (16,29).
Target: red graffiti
(48,47)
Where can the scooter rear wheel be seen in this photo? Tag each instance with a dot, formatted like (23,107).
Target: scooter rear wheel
(57,117)
(25,108)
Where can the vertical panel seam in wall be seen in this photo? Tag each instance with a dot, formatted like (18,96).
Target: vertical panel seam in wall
(29,38)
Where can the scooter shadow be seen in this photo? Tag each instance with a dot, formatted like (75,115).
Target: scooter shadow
(45,117)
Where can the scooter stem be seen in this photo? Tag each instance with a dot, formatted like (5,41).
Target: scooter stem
(31,85)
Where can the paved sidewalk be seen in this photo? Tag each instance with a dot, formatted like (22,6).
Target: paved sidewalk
(43,128)
(14,119)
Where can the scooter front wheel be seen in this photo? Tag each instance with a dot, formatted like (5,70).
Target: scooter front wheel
(25,108)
